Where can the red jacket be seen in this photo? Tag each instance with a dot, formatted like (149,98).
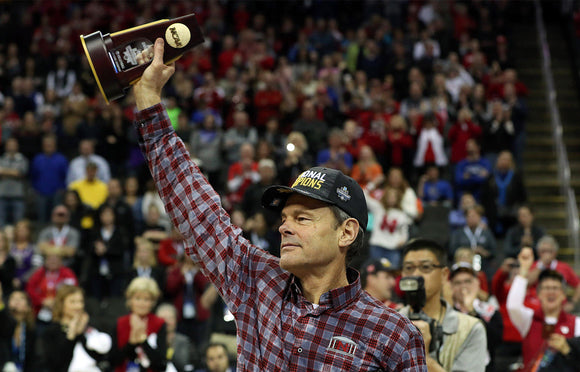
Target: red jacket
(534,342)
(43,284)
(458,135)
(500,288)
(175,289)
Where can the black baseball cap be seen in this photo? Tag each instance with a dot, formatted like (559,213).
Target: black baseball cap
(325,184)
(374,266)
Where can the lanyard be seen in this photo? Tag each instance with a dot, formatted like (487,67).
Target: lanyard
(59,237)
(473,237)
(20,350)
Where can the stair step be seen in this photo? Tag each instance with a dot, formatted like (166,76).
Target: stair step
(547,156)
(550,199)
(549,141)
(566,251)
(561,235)
(540,214)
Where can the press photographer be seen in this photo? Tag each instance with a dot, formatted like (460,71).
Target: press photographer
(463,336)
(414,289)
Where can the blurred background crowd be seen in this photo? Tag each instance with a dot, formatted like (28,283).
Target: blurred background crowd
(417,100)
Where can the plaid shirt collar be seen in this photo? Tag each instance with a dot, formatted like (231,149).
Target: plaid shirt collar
(336,298)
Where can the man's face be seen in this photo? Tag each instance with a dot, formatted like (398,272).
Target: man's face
(86,148)
(551,294)
(472,148)
(48,145)
(434,277)
(216,359)
(115,189)
(472,218)
(382,283)
(52,262)
(309,235)
(60,215)
(525,217)
(91,173)
(546,252)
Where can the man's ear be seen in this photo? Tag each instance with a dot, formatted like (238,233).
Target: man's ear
(445,274)
(349,232)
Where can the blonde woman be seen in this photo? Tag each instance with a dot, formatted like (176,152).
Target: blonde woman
(145,262)
(140,337)
(70,342)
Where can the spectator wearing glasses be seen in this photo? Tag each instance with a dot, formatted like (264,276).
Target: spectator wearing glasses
(548,252)
(545,330)
(463,335)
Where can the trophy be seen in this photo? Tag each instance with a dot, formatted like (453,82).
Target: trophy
(113,57)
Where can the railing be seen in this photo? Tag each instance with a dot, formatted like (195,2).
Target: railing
(572,222)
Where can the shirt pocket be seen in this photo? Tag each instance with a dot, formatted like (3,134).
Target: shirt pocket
(342,355)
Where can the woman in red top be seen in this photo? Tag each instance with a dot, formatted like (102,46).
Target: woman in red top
(140,338)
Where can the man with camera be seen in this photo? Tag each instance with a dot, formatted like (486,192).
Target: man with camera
(454,341)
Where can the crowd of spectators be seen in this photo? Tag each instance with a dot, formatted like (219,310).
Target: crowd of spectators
(419,101)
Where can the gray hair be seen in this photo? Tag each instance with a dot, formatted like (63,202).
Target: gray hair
(167,307)
(549,239)
(358,243)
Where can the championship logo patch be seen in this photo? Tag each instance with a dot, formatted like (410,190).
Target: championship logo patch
(343,193)
(342,345)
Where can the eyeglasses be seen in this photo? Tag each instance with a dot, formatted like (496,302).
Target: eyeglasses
(550,288)
(424,268)
(461,282)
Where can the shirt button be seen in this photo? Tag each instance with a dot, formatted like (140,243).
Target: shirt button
(299,350)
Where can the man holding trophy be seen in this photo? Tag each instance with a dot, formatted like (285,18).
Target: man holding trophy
(305,311)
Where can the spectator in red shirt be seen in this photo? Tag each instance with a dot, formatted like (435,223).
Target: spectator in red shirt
(171,248)
(192,296)
(400,144)
(45,281)
(267,99)
(548,251)
(227,55)
(242,174)
(463,130)
(352,133)
(511,347)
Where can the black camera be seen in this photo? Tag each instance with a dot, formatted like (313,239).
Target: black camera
(414,289)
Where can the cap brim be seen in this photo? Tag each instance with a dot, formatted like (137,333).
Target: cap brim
(275,197)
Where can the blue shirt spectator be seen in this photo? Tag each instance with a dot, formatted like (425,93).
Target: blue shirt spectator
(433,190)
(472,172)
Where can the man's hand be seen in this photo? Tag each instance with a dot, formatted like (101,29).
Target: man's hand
(558,342)
(156,75)
(138,333)
(423,327)
(526,259)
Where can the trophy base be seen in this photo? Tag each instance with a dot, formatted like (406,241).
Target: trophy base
(102,66)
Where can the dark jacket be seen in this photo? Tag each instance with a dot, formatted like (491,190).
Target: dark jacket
(7,327)
(515,196)
(60,351)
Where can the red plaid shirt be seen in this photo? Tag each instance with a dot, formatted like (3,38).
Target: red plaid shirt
(278,329)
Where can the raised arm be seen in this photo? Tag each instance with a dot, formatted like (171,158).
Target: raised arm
(227,259)
(520,315)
